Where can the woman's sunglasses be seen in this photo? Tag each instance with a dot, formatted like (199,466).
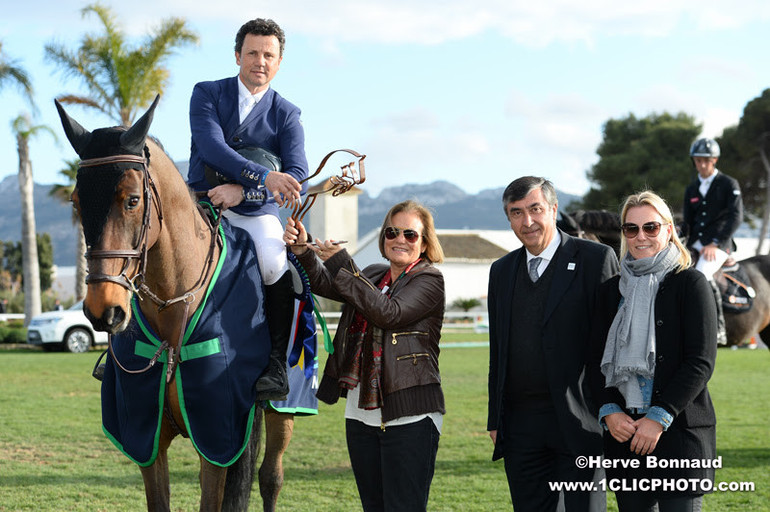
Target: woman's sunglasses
(650,229)
(410,235)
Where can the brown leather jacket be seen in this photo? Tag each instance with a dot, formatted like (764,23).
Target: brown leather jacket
(408,322)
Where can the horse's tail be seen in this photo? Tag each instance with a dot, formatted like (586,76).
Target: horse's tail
(240,475)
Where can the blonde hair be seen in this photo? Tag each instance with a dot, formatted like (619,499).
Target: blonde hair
(650,198)
(433,251)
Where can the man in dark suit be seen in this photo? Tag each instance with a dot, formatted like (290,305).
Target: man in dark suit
(541,416)
(243,115)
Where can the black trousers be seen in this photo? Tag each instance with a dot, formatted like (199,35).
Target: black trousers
(536,455)
(644,502)
(393,467)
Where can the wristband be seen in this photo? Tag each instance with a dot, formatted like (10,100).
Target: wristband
(262,180)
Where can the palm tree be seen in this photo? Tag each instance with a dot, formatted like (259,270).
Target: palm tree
(24,130)
(121,81)
(11,72)
(63,192)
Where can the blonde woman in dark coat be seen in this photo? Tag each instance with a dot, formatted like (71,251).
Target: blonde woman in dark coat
(653,355)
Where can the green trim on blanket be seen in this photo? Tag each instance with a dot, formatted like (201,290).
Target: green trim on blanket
(249,427)
(156,439)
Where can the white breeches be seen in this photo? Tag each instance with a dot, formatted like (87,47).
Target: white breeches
(267,233)
(709,268)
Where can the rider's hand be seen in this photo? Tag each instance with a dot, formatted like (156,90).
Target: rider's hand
(284,187)
(226,196)
(709,252)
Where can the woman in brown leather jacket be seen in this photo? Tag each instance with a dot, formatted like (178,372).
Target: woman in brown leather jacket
(385,358)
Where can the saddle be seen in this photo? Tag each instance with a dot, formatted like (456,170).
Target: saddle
(737,293)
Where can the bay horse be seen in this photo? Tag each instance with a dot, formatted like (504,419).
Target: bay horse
(604,226)
(156,263)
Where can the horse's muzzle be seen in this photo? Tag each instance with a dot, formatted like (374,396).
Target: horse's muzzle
(113,319)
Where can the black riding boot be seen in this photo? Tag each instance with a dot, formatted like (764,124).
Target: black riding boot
(273,384)
(721,330)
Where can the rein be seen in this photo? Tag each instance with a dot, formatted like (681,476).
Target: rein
(136,283)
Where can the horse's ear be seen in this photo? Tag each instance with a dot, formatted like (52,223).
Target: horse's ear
(78,136)
(134,137)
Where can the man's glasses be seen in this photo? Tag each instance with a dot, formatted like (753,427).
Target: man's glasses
(410,235)
(650,229)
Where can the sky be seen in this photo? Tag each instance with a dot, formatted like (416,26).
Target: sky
(474,93)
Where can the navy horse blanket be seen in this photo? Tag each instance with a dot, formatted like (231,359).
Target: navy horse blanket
(226,347)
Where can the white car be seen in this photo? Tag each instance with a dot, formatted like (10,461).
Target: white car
(68,329)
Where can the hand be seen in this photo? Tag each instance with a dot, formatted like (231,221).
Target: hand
(325,249)
(709,252)
(647,434)
(620,425)
(292,234)
(285,189)
(226,196)
(493,436)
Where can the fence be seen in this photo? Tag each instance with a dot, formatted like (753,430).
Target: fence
(457,321)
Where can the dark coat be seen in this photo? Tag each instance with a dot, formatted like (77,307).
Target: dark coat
(686,347)
(716,217)
(581,266)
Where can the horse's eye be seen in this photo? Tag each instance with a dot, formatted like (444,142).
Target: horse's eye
(132,202)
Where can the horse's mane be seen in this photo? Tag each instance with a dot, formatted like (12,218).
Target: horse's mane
(597,220)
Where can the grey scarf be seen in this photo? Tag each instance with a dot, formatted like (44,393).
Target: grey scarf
(630,349)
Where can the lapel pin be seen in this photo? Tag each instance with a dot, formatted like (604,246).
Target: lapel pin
(570,266)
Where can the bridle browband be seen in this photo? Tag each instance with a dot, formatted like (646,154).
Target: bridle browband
(136,283)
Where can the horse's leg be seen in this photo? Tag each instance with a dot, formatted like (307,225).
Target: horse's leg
(155,476)
(278,430)
(212,480)
(240,475)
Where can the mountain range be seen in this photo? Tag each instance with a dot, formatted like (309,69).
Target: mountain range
(452,208)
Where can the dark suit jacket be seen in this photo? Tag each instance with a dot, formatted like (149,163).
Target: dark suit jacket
(716,217)
(686,348)
(273,124)
(581,266)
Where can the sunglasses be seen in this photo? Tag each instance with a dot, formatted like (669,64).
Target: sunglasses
(410,235)
(650,229)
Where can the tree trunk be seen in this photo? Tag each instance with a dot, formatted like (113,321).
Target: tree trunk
(766,212)
(30,265)
(80,269)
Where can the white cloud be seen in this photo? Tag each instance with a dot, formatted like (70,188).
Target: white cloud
(433,22)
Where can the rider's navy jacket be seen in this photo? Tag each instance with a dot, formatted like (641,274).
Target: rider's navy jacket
(273,124)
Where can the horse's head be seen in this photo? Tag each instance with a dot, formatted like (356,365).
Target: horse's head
(113,200)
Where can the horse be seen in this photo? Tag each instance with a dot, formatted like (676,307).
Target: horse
(149,239)
(604,226)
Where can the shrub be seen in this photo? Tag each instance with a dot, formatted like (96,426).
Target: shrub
(13,332)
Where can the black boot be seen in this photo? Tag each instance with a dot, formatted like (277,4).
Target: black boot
(721,330)
(273,384)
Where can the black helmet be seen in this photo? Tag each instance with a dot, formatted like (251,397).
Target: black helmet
(705,147)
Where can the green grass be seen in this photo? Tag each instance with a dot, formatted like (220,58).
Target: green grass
(53,455)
